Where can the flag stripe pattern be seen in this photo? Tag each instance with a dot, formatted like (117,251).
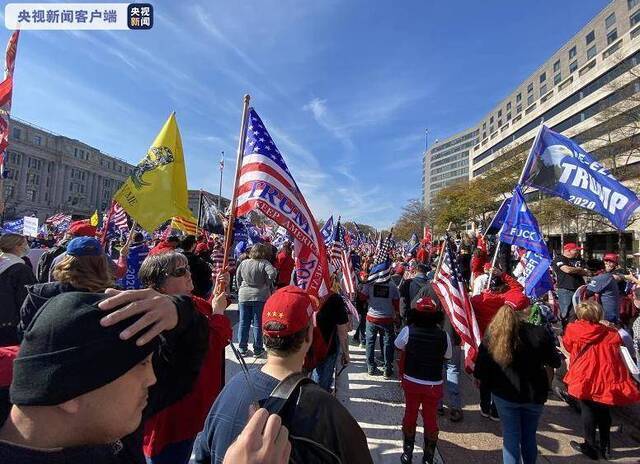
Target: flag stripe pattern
(381,268)
(341,260)
(183,224)
(119,218)
(266,184)
(6,90)
(451,289)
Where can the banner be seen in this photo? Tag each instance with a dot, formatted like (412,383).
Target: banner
(520,227)
(559,166)
(156,190)
(498,218)
(537,279)
(13,227)
(136,256)
(30,228)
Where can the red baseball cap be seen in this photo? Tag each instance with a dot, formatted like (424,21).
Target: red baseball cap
(612,257)
(81,229)
(290,306)
(425,304)
(487,267)
(399,269)
(571,246)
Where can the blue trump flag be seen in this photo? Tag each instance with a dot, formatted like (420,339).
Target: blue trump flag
(327,230)
(521,229)
(14,227)
(498,219)
(559,166)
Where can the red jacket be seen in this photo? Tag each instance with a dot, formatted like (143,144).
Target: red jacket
(477,264)
(597,372)
(486,305)
(185,418)
(284,265)
(7,355)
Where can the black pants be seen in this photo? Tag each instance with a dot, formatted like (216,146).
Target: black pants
(485,398)
(596,415)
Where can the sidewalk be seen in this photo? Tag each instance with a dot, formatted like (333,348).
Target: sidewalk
(377,404)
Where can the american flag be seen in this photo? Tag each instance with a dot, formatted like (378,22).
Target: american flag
(119,218)
(452,292)
(381,268)
(6,90)
(266,184)
(341,260)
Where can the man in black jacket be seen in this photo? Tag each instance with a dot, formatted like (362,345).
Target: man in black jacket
(288,334)
(200,270)
(91,369)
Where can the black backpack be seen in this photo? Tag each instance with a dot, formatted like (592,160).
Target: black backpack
(45,261)
(283,401)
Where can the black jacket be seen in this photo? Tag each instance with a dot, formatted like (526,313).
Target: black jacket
(200,275)
(37,296)
(525,379)
(13,290)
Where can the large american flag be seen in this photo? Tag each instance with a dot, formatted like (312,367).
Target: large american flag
(6,90)
(119,218)
(266,184)
(452,292)
(381,268)
(341,260)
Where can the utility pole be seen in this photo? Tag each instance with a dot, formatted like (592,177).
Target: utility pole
(220,190)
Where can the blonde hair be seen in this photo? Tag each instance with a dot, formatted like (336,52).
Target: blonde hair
(502,335)
(92,273)
(589,311)
(9,242)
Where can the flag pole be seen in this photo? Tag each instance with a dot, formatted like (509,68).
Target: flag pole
(495,257)
(105,226)
(220,189)
(442,251)
(199,213)
(228,237)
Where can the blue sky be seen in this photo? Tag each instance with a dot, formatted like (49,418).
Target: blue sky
(346,88)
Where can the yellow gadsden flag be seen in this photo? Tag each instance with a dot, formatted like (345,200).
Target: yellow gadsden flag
(94,219)
(156,190)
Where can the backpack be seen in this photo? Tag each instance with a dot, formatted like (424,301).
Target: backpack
(283,401)
(45,261)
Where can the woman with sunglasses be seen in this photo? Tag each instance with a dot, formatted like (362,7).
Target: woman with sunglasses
(169,434)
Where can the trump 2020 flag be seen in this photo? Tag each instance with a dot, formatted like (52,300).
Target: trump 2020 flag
(559,166)
(266,184)
(520,227)
(537,280)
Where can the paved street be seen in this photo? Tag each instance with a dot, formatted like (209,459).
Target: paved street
(378,406)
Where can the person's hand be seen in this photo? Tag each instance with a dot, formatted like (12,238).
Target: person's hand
(264,440)
(607,323)
(219,303)
(159,313)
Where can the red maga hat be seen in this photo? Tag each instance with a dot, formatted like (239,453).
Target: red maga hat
(290,306)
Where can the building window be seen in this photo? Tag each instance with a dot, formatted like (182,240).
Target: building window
(610,21)
(499,122)
(543,89)
(491,129)
(573,66)
(8,191)
(590,37)
(557,78)
(491,121)
(543,77)
(556,66)
(508,116)
(612,36)
(484,125)
(635,19)
(37,140)
(519,109)
(635,33)
(508,106)
(632,3)
(530,87)
(530,99)
(530,109)
(499,113)
(572,51)
(518,98)
(611,50)
(16,133)
(31,194)
(591,52)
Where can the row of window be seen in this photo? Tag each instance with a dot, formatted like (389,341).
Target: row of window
(456,173)
(459,156)
(455,141)
(456,149)
(571,100)
(448,167)
(592,51)
(590,111)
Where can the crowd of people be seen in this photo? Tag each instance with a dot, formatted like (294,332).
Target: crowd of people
(116,354)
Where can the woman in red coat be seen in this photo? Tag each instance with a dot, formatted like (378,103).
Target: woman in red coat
(169,435)
(597,376)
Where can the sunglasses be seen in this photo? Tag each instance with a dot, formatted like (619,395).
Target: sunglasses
(180,272)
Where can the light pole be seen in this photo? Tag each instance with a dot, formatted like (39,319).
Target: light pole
(221,171)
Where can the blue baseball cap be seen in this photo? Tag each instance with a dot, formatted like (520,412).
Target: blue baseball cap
(84,246)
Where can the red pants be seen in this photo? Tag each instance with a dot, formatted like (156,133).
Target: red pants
(426,395)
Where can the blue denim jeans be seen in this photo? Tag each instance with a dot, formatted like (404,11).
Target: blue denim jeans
(452,384)
(174,453)
(519,423)
(250,312)
(323,373)
(566,304)
(388,336)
